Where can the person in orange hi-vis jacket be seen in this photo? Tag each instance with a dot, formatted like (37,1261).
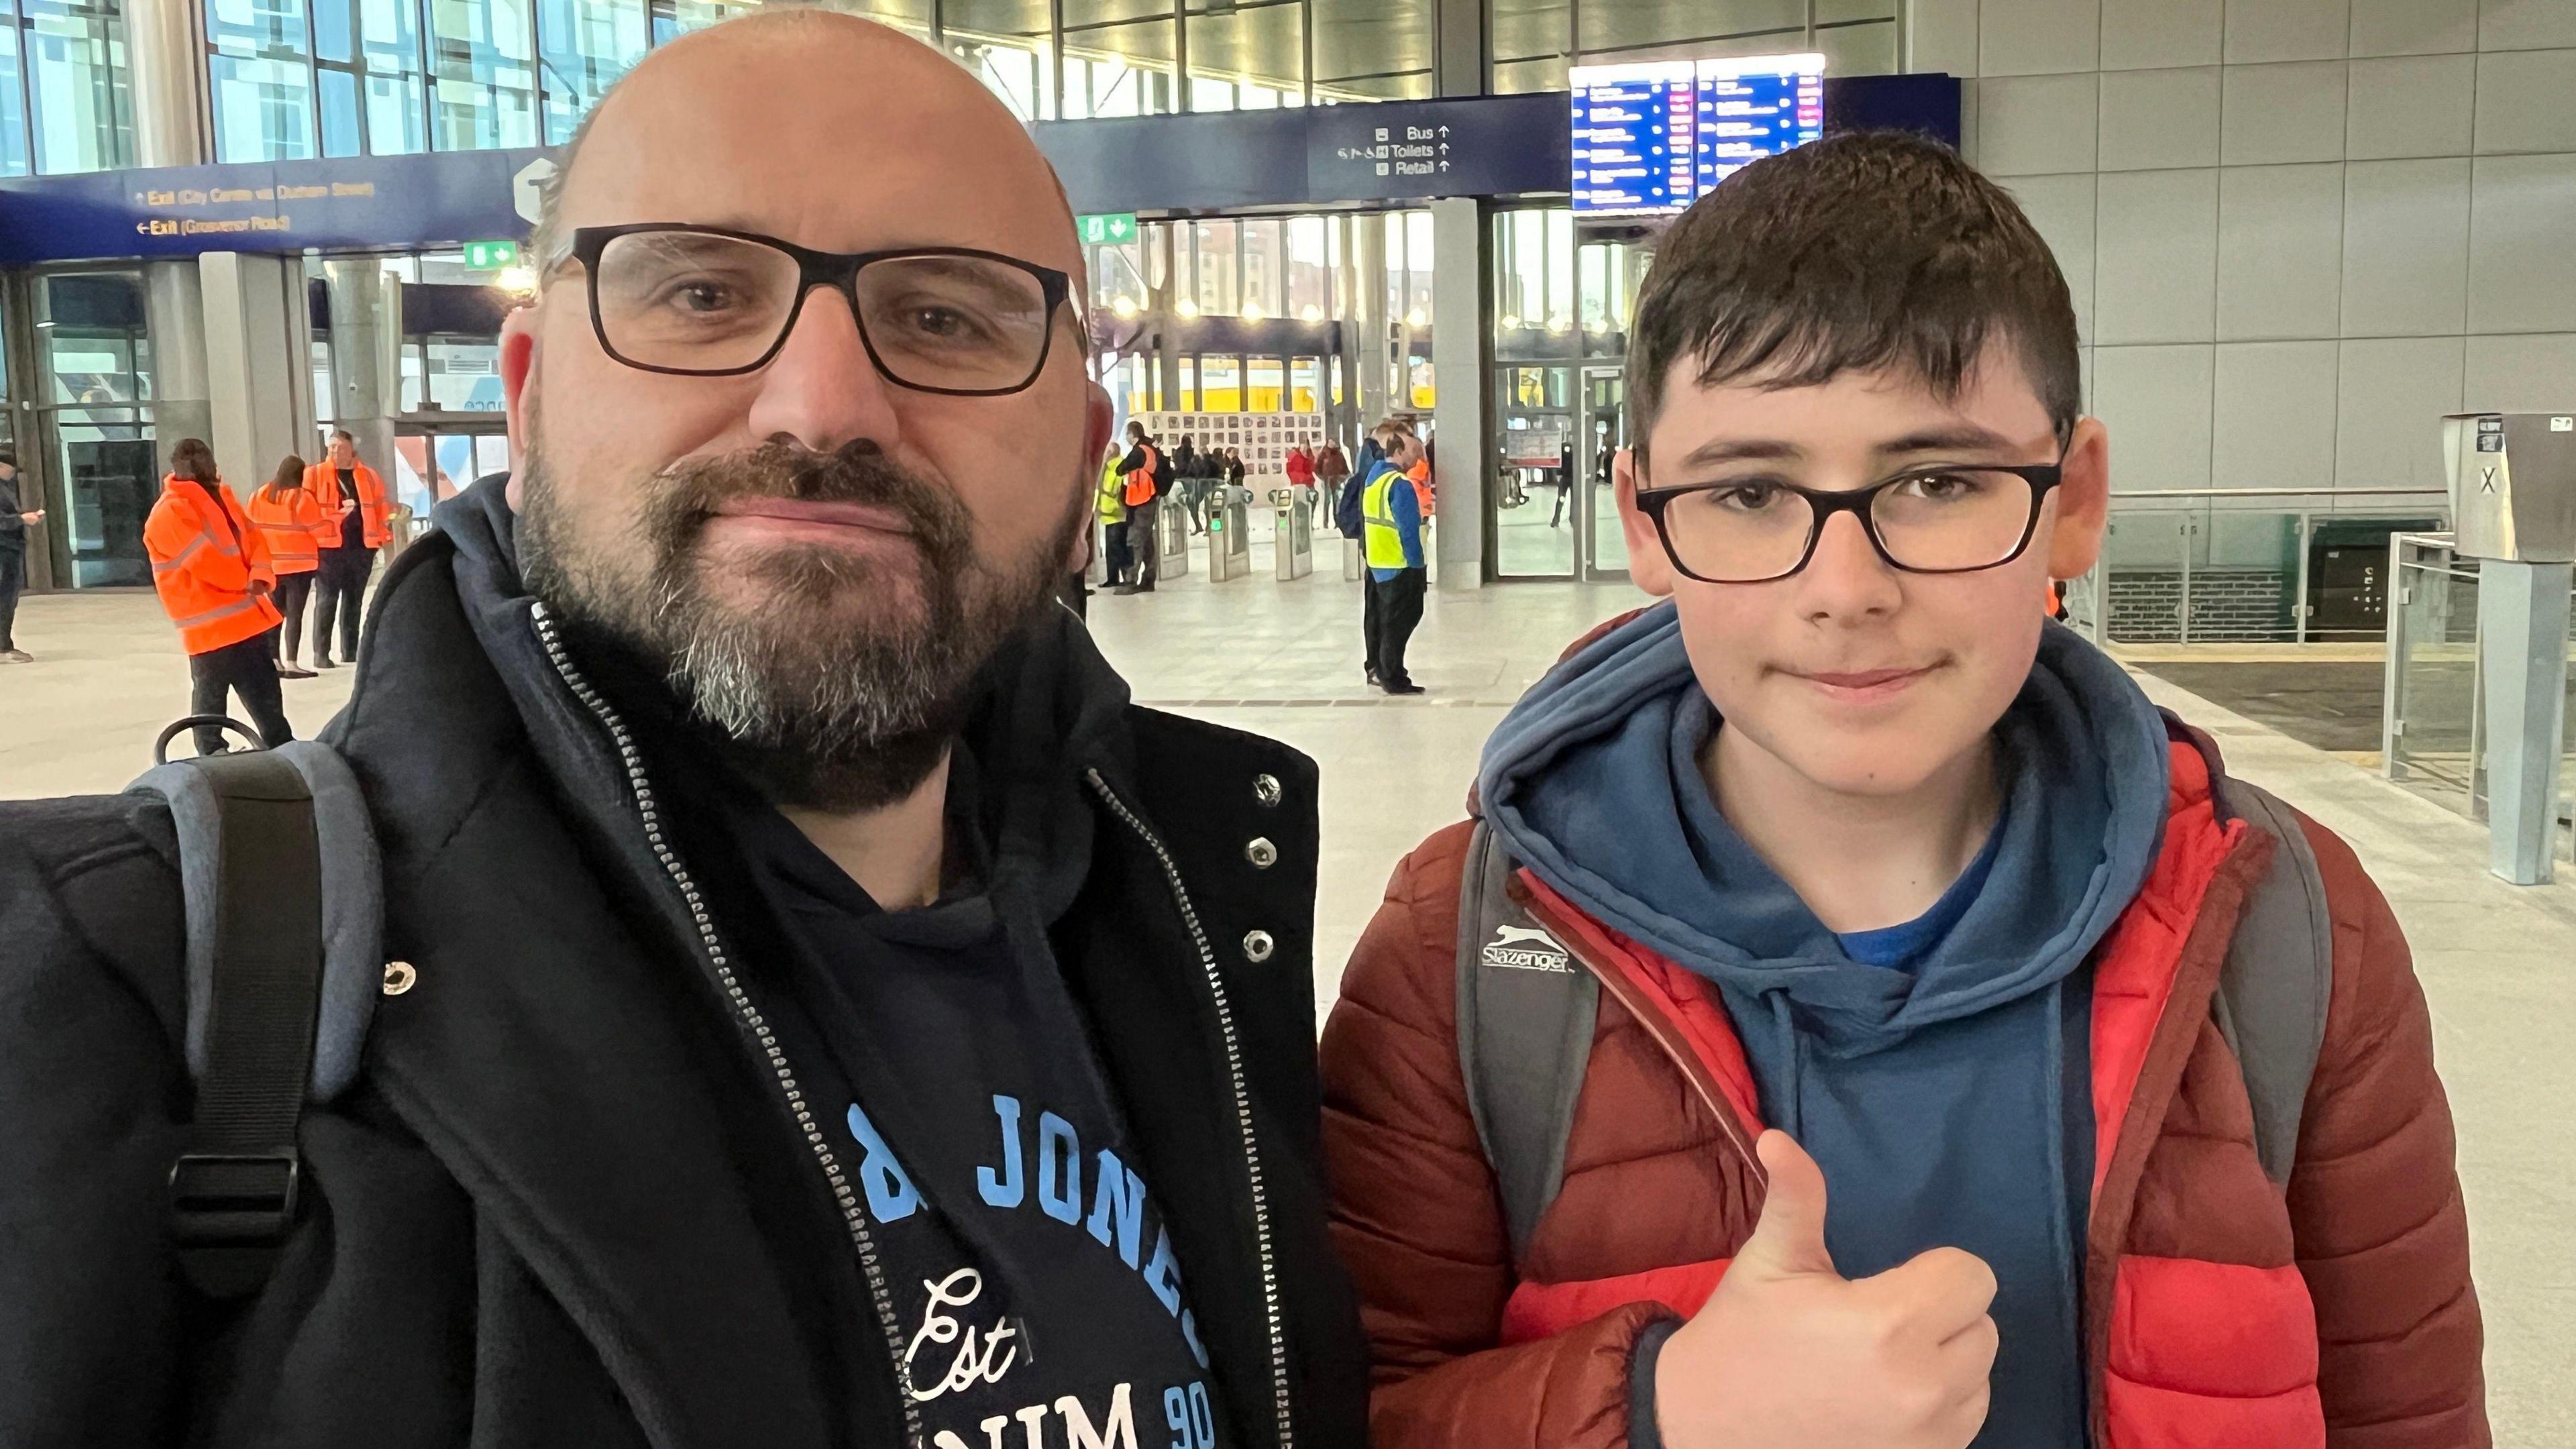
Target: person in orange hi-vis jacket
(356,521)
(290,522)
(211,568)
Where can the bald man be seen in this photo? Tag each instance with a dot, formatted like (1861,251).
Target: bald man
(827,1012)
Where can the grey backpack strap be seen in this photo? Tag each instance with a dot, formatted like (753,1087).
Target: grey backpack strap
(1525,1015)
(2278,980)
(281,896)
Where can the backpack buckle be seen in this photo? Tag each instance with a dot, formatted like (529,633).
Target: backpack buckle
(233,1199)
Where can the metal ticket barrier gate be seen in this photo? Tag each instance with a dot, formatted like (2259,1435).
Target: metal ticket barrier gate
(1229,534)
(2513,506)
(1293,544)
(1172,536)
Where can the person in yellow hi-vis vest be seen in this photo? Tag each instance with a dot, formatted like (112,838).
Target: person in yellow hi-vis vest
(1112,504)
(1391,512)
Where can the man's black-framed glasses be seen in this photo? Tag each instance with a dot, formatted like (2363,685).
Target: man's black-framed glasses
(1939,518)
(706,302)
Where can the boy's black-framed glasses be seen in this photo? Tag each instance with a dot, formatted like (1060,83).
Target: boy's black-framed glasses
(1940,518)
(700,301)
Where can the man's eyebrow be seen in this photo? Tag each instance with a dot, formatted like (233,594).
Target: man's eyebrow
(1961,437)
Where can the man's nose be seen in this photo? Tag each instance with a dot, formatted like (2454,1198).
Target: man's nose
(822,389)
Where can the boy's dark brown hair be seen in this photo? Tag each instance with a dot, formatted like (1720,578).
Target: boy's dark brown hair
(1861,251)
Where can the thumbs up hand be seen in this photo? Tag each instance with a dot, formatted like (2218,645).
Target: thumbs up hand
(1789,1354)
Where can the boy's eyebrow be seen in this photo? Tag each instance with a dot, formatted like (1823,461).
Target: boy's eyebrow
(1960,437)
(1733,450)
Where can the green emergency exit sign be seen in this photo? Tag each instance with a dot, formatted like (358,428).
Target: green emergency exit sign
(1108,228)
(490,256)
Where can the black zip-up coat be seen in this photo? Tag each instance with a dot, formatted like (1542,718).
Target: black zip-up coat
(569,1200)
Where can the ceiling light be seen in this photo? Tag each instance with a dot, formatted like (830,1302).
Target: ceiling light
(1186,307)
(1123,305)
(517,280)
(1510,322)
(1415,318)
(1252,312)
(1311,312)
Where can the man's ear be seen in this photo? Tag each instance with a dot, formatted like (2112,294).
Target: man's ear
(1648,565)
(2083,505)
(518,378)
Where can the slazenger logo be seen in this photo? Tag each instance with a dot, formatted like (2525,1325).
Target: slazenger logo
(1524,948)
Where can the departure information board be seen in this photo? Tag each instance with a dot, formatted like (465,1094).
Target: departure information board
(1654,135)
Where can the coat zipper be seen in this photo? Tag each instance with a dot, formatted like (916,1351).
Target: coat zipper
(713,946)
(1280,1398)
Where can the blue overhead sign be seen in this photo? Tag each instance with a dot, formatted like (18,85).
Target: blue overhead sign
(442,197)
(1305,157)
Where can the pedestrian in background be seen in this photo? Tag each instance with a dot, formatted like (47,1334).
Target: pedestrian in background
(355,524)
(1301,476)
(1144,471)
(15,520)
(1188,486)
(210,567)
(290,523)
(1110,503)
(1392,513)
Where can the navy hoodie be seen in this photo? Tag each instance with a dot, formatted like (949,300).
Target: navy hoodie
(1946,1097)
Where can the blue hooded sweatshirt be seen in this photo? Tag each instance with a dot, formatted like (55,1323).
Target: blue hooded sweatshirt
(1939,1072)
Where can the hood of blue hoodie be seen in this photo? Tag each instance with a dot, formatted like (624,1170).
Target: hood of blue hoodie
(1948,1103)
(1593,779)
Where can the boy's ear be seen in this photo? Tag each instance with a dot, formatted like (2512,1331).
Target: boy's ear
(1648,565)
(2083,504)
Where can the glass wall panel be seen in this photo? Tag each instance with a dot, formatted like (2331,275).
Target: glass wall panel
(1265,380)
(13,100)
(675,18)
(1248,56)
(95,355)
(1531,41)
(1310,269)
(260,75)
(1212,276)
(396,77)
(485,95)
(1265,266)
(1372,50)
(1121,58)
(75,57)
(586,45)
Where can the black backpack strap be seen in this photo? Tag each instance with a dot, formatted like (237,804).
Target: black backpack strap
(1525,1018)
(282,895)
(2278,979)
(233,1192)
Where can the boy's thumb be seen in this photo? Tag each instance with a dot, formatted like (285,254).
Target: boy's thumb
(1789,1239)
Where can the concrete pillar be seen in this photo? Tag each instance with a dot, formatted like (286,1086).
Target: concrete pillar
(366,355)
(1159,299)
(165,56)
(254,305)
(2522,664)
(174,312)
(1368,247)
(1462,365)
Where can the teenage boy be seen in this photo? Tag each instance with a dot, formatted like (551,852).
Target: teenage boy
(1858,848)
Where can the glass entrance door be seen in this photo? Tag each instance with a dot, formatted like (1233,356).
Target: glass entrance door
(433,462)
(1536,512)
(1604,432)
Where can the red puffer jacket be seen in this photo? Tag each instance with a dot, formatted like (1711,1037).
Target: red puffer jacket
(2221,1314)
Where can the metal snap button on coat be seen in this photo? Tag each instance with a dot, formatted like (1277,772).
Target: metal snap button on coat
(1261,853)
(399,977)
(1266,789)
(1257,946)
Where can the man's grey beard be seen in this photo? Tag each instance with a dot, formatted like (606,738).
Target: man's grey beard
(825,703)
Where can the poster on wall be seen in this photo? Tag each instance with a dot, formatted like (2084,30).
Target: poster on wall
(1263,439)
